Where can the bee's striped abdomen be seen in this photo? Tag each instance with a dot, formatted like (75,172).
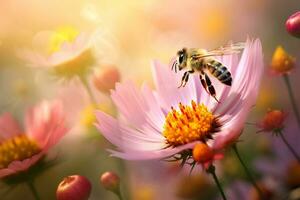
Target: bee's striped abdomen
(218,70)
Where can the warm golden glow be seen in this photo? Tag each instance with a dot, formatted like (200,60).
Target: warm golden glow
(190,123)
(17,148)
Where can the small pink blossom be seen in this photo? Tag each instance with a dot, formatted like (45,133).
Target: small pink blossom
(44,127)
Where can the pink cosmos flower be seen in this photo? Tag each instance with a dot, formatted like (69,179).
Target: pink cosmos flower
(157,124)
(20,149)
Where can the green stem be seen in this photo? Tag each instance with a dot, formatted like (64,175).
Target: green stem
(119,195)
(212,170)
(250,177)
(33,190)
(292,97)
(88,89)
(289,146)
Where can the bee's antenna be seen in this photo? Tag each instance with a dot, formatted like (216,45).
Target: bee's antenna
(174,66)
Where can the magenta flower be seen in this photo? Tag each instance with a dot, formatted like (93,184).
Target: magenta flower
(167,121)
(20,149)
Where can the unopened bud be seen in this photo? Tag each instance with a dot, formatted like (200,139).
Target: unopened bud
(282,62)
(74,187)
(110,181)
(292,24)
(272,121)
(105,78)
(202,153)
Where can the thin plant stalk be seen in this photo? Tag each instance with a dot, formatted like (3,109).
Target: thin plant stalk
(247,171)
(292,98)
(120,196)
(291,149)
(33,190)
(88,89)
(212,170)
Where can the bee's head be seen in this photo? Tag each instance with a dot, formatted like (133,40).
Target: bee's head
(180,60)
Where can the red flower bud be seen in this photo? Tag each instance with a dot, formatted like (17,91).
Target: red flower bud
(110,181)
(293,24)
(272,121)
(106,78)
(74,187)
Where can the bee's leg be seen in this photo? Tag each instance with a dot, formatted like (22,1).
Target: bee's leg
(183,79)
(204,85)
(211,88)
(186,79)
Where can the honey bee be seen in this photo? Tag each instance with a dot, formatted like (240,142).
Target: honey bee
(203,61)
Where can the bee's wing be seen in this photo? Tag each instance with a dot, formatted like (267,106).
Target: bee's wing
(225,50)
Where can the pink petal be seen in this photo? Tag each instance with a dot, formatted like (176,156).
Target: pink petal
(9,127)
(152,155)
(167,83)
(247,80)
(136,107)
(127,138)
(18,166)
(6,172)
(25,164)
(46,123)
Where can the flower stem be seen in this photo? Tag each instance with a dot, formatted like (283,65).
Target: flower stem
(119,195)
(88,89)
(212,170)
(289,146)
(33,190)
(250,177)
(292,97)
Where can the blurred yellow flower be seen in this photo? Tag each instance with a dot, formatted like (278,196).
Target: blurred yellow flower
(144,193)
(282,62)
(266,97)
(87,115)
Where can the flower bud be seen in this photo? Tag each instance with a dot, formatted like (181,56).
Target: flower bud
(292,24)
(272,121)
(106,78)
(282,62)
(110,181)
(202,153)
(74,187)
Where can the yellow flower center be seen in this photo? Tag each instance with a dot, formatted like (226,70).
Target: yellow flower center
(189,124)
(62,35)
(17,148)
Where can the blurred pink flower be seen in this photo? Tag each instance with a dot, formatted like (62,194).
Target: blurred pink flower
(20,149)
(154,124)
